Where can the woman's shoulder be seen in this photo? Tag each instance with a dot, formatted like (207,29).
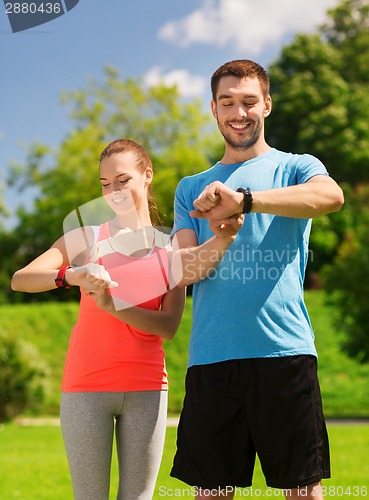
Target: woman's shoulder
(79,243)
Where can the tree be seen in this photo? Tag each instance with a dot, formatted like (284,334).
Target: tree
(347,279)
(3,210)
(318,110)
(347,29)
(320,107)
(177,135)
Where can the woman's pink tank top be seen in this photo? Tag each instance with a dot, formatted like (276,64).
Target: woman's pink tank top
(107,355)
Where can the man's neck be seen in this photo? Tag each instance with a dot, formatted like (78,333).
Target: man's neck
(239,155)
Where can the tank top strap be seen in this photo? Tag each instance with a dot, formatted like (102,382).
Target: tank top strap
(104,232)
(161,253)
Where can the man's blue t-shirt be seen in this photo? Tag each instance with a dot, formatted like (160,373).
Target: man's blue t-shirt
(252,305)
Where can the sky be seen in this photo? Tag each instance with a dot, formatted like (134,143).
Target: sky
(180,42)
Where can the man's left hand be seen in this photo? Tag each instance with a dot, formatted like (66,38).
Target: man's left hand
(217,201)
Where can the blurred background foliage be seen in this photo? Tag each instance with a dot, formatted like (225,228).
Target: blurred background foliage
(320,106)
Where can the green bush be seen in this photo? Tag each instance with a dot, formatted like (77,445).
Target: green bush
(347,279)
(23,377)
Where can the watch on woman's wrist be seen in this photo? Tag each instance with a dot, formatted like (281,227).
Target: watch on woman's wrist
(60,279)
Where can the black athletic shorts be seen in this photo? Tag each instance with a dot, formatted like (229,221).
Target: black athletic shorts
(236,409)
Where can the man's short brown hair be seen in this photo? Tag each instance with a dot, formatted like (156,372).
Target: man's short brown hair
(241,68)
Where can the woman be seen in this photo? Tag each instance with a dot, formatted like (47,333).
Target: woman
(114,377)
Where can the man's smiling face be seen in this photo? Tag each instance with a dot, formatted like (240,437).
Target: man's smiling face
(240,109)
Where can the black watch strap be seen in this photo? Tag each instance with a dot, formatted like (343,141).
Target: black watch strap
(247,199)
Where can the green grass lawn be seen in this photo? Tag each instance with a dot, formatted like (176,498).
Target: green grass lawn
(33,466)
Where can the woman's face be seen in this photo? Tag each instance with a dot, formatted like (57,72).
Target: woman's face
(124,187)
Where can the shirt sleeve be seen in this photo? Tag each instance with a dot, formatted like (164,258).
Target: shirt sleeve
(307,167)
(182,207)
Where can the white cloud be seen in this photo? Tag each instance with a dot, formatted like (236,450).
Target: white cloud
(188,85)
(249,25)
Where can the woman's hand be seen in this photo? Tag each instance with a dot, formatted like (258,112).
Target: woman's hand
(102,299)
(227,228)
(93,278)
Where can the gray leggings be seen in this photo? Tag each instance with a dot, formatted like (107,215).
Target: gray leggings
(87,422)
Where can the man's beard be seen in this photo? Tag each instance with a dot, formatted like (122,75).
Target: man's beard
(242,143)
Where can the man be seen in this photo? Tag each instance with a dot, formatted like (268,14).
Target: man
(251,385)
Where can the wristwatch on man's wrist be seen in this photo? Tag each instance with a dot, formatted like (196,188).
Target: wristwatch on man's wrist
(60,279)
(247,199)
